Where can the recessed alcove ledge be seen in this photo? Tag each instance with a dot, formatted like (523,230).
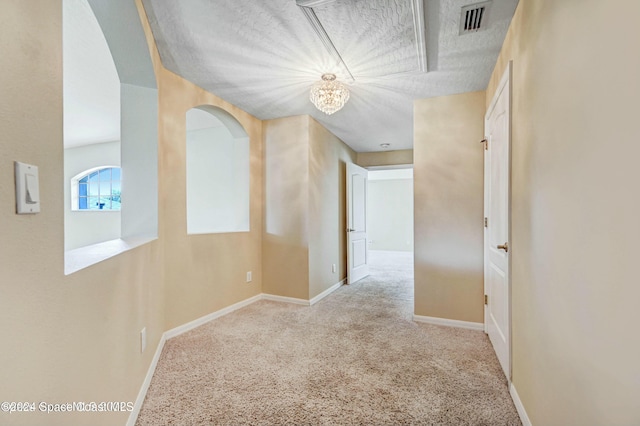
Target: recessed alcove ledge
(83,257)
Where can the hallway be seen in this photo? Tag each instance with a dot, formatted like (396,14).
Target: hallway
(355,357)
(391,274)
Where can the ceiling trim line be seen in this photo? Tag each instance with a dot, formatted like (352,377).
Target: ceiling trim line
(313,3)
(417,7)
(306,6)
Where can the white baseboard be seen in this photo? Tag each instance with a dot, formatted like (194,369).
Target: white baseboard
(449,322)
(518,403)
(133,416)
(275,298)
(327,292)
(209,317)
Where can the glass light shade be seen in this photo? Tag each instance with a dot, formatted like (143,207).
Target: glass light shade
(329,95)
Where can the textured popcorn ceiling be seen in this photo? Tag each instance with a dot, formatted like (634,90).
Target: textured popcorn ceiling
(264,56)
(375,37)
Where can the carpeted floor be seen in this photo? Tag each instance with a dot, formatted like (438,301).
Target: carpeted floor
(354,358)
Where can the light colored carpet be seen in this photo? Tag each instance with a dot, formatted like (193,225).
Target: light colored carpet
(354,358)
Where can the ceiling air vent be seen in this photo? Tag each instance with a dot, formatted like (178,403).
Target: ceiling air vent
(473,17)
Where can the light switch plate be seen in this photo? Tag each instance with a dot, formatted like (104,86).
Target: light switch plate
(27,188)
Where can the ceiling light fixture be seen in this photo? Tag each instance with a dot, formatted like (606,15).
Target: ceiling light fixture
(329,95)
(385,145)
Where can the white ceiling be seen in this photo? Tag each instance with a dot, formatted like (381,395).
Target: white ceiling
(264,56)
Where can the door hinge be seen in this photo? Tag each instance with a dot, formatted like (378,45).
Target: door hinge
(486,144)
(486,222)
(486,299)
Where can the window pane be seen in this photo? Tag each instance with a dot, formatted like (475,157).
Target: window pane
(116,187)
(104,203)
(100,190)
(105,174)
(105,188)
(93,203)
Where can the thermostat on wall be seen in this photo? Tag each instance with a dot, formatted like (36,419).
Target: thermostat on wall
(27,189)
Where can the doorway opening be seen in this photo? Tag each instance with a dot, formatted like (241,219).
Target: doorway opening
(390,210)
(390,227)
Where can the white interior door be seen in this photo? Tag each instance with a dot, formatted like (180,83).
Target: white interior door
(497,204)
(357,250)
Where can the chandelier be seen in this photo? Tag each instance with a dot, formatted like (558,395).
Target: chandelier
(329,95)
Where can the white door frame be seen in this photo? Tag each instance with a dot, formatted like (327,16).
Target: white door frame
(505,82)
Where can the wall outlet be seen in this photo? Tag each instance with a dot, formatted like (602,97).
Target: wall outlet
(333,268)
(249,278)
(143,339)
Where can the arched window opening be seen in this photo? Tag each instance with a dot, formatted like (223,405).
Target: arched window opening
(97,189)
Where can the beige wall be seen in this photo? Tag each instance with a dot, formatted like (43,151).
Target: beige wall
(385,158)
(305,202)
(64,338)
(206,272)
(203,273)
(285,243)
(328,157)
(448,206)
(77,337)
(574,234)
(575,209)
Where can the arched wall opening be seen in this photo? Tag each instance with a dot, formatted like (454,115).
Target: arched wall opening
(91,94)
(106,40)
(218,172)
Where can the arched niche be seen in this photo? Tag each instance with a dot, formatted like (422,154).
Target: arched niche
(218,172)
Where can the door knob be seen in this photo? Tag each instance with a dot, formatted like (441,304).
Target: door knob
(351,230)
(504,247)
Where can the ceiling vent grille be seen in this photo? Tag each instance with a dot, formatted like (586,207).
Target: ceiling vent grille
(473,17)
